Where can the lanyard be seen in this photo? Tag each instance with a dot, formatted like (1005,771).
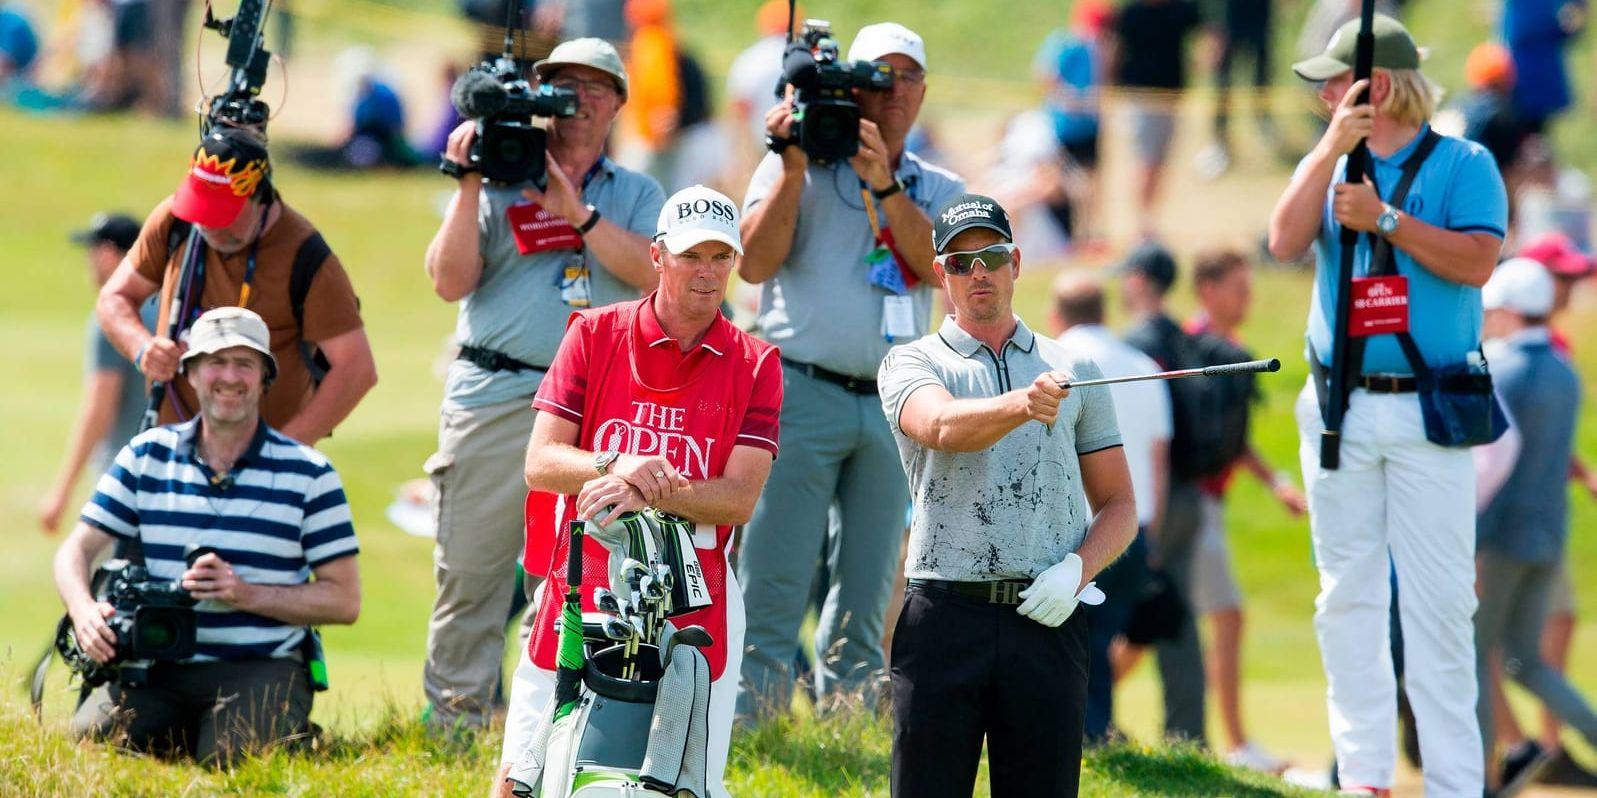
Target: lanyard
(249,265)
(884,236)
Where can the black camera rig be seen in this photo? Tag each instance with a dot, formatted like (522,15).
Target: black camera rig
(240,105)
(825,115)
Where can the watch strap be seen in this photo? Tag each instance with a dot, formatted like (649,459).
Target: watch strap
(893,188)
(593,219)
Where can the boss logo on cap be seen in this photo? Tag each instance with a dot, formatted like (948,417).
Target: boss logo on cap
(700,207)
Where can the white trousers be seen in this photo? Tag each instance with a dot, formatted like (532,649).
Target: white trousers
(1398,496)
(531,687)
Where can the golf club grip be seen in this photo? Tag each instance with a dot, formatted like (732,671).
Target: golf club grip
(574,560)
(1249,367)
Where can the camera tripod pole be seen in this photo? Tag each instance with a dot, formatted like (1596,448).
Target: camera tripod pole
(1344,361)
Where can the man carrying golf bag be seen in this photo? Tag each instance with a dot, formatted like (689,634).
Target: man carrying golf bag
(660,403)
(1399,392)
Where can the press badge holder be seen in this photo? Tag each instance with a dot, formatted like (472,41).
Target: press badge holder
(884,272)
(576,288)
(1379,307)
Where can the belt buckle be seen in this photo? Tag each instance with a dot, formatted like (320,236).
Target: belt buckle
(853,385)
(1391,382)
(1003,592)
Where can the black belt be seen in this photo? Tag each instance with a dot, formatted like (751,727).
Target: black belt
(851,384)
(1386,383)
(1004,591)
(495,361)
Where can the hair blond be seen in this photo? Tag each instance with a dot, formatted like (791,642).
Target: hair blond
(1412,98)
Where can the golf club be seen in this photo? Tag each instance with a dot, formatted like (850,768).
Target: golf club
(1248,367)
(606,601)
(617,630)
(694,636)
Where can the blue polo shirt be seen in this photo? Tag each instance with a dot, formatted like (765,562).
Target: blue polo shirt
(1457,189)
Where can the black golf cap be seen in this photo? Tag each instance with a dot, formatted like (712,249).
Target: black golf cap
(965,212)
(117,229)
(1153,262)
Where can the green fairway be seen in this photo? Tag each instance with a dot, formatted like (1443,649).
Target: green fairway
(58,171)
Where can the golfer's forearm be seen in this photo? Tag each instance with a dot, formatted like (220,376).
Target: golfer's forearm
(1112,530)
(559,468)
(1295,221)
(968,425)
(721,501)
(1466,258)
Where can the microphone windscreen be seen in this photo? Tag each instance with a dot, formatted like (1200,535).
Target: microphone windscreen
(798,63)
(477,94)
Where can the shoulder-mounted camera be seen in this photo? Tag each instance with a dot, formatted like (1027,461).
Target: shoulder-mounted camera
(825,115)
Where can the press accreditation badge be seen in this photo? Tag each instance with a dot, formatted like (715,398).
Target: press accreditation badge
(1380,306)
(576,285)
(898,317)
(537,230)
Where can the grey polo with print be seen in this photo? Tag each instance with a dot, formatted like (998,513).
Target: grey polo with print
(819,307)
(1013,510)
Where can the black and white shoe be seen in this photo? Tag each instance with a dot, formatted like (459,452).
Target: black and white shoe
(1521,765)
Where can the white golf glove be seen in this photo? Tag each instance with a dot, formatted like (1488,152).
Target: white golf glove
(1052,597)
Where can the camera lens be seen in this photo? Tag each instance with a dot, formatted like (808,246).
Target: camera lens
(157,634)
(511,151)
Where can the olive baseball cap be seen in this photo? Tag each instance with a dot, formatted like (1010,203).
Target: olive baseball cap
(1394,49)
(589,52)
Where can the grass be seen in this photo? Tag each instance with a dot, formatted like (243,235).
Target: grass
(57,172)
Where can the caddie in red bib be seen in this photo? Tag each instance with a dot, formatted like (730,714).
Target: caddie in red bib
(658,403)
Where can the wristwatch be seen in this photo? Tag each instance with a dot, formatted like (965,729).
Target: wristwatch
(892,188)
(603,460)
(1387,221)
(593,219)
(453,168)
(777,145)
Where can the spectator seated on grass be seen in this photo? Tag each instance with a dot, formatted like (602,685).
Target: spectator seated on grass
(268,513)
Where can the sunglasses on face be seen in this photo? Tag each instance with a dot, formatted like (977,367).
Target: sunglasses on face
(991,258)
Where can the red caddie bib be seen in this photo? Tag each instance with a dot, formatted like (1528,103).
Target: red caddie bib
(692,418)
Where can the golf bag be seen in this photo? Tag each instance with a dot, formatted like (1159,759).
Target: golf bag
(630,710)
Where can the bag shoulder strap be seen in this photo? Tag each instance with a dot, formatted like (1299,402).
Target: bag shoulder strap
(308,260)
(1382,259)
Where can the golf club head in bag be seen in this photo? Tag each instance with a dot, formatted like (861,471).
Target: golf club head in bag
(688,587)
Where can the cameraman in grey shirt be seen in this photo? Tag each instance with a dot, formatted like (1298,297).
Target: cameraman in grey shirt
(519,259)
(1002,546)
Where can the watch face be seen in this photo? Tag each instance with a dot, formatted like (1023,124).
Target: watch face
(1386,222)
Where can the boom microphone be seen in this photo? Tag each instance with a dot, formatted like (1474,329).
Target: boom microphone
(478,94)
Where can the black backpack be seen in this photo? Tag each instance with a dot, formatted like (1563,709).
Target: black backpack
(1209,415)
(308,259)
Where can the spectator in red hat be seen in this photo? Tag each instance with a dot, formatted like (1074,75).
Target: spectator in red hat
(249,249)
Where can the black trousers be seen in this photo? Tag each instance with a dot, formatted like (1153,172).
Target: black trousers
(964,670)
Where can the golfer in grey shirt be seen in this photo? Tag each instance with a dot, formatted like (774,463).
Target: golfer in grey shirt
(1002,546)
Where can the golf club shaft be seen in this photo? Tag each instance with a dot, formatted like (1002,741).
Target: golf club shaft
(1248,367)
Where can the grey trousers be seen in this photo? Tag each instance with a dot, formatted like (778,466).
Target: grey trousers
(836,447)
(478,475)
(1515,600)
(1181,659)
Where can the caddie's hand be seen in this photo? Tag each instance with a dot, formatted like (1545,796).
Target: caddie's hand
(653,476)
(1351,122)
(603,499)
(1356,206)
(559,196)
(213,579)
(94,636)
(160,359)
(458,149)
(1052,597)
(871,163)
(1044,396)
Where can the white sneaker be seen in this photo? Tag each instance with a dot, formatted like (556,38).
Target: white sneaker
(1250,756)
(1212,162)
(1311,778)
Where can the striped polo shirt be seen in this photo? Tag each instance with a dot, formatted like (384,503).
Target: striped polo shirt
(283,515)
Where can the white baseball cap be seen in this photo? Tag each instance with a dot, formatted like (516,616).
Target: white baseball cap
(227,327)
(1520,285)
(697,214)
(874,41)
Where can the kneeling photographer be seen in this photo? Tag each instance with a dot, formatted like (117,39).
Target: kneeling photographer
(838,235)
(202,634)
